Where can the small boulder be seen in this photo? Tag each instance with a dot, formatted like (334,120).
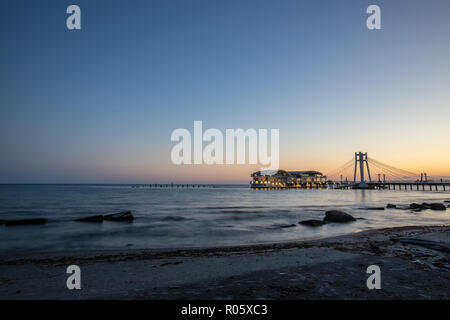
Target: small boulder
(24,222)
(391,206)
(98,218)
(312,223)
(337,216)
(121,216)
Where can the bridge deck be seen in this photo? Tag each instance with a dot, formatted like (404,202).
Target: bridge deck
(437,186)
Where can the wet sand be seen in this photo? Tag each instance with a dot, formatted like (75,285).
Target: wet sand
(332,268)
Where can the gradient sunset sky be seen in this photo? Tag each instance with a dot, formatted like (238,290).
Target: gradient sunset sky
(99,105)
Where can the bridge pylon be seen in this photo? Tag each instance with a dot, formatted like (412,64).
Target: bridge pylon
(361,163)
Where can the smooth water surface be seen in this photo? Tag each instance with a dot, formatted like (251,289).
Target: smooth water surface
(194,217)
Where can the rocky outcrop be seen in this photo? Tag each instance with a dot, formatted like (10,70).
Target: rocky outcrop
(391,206)
(338,216)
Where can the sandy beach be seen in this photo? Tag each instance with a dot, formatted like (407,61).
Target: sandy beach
(414,263)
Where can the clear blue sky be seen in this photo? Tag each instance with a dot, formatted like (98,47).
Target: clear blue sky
(99,104)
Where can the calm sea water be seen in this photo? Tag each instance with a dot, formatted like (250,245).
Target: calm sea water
(219,216)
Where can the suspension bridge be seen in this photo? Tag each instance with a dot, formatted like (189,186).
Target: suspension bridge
(363,172)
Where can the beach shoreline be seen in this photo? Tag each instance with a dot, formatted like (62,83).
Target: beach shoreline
(328,268)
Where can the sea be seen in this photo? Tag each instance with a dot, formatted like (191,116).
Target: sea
(209,216)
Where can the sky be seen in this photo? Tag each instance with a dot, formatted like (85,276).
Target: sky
(98,105)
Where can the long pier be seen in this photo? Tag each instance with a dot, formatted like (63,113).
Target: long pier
(385,185)
(172,185)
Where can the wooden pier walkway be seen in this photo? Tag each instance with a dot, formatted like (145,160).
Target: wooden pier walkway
(172,186)
(418,186)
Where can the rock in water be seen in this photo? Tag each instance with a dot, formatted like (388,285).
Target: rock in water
(121,216)
(91,219)
(24,222)
(337,216)
(312,223)
(423,206)
(437,206)
(416,206)
(391,206)
(282,226)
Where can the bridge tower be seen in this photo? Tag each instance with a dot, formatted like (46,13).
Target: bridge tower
(361,162)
